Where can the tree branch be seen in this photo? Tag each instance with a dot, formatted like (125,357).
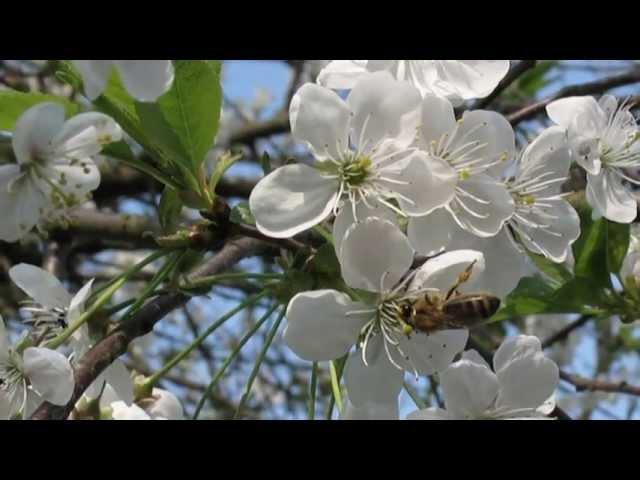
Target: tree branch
(590,88)
(115,344)
(585,384)
(516,72)
(563,333)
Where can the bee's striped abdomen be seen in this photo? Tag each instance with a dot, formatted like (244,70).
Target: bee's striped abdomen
(472,306)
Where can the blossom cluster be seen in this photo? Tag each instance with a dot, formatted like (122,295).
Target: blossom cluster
(397,173)
(55,172)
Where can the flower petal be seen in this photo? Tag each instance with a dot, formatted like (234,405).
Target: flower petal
(146,80)
(429,354)
(431,413)
(527,381)
(373,250)
(342,74)
(5,407)
(165,406)
(122,411)
(76,181)
(377,382)
(84,135)
(40,285)
(21,202)
(95,75)
(76,306)
(379,103)
(430,234)
(438,119)
(371,411)
(469,389)
(475,357)
(489,128)
(554,241)
(319,326)
(292,199)
(484,206)
(442,271)
(34,131)
(549,152)
(505,264)
(609,197)
(429,183)
(50,374)
(344,220)
(514,347)
(119,378)
(591,118)
(468,79)
(321,118)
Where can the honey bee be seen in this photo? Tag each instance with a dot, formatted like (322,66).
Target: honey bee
(431,313)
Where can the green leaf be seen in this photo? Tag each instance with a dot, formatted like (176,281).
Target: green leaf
(590,250)
(119,150)
(536,78)
(222,165)
(325,260)
(531,296)
(556,272)
(579,295)
(13,104)
(191,108)
(169,209)
(618,236)
(241,213)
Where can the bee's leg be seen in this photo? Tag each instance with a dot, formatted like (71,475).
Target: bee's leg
(462,278)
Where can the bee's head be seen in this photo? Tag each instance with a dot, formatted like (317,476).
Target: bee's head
(407,312)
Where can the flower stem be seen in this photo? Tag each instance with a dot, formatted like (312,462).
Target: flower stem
(230,359)
(213,279)
(260,359)
(312,391)
(414,396)
(102,299)
(339,370)
(158,278)
(335,385)
(324,233)
(151,381)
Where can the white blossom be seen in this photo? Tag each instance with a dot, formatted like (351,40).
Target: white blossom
(363,155)
(325,324)
(522,386)
(604,137)
(146,80)
(31,377)
(542,220)
(468,149)
(456,80)
(54,170)
(162,405)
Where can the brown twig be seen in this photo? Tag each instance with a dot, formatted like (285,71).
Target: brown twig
(597,86)
(516,72)
(563,333)
(585,384)
(115,344)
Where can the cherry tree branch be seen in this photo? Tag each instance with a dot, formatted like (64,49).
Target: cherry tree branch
(514,73)
(564,333)
(585,384)
(115,344)
(589,88)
